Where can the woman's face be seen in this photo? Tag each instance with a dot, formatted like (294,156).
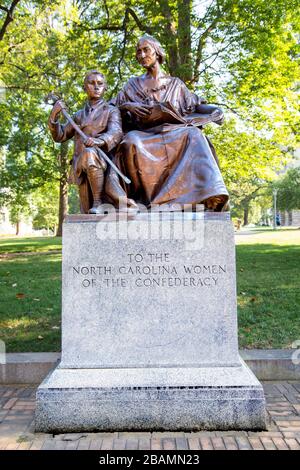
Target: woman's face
(146,54)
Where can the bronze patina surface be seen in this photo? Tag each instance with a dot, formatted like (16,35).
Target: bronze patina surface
(164,151)
(97,129)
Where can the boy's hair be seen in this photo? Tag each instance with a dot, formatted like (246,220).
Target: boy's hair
(94,72)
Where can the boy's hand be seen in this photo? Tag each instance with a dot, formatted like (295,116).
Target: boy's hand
(59,105)
(91,142)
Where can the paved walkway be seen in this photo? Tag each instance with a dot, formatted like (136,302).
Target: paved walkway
(283,404)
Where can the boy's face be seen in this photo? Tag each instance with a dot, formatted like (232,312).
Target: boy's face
(94,86)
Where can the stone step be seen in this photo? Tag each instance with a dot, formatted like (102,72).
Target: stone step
(266,364)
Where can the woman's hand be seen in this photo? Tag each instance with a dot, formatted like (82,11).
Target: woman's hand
(218,116)
(140,110)
(215,112)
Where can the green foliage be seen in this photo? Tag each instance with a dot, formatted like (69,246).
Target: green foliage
(288,186)
(242,54)
(45,211)
(249,162)
(74,207)
(19,211)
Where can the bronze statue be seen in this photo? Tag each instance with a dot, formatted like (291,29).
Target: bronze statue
(95,127)
(164,152)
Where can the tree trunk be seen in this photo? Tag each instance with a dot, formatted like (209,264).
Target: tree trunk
(17,227)
(185,71)
(246,216)
(170,35)
(63,186)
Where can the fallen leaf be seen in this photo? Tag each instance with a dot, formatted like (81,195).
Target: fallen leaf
(242,269)
(14,285)
(40,337)
(37,300)
(20,295)
(73,437)
(55,327)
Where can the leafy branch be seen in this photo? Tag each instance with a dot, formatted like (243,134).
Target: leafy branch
(8,18)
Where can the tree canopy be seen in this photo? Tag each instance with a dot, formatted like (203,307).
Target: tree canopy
(240,54)
(288,190)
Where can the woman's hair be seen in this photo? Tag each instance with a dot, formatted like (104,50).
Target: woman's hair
(156,45)
(94,72)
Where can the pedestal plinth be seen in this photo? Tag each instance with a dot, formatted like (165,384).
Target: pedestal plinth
(149,328)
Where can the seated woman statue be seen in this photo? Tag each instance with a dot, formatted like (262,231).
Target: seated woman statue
(165,154)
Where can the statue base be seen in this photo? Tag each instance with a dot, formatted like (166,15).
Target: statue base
(149,328)
(150,399)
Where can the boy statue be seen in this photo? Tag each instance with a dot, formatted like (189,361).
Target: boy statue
(102,124)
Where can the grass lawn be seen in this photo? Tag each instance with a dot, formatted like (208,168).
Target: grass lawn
(268,274)
(36,244)
(268,268)
(30,290)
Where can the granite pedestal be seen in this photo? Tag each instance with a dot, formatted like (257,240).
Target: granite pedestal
(149,328)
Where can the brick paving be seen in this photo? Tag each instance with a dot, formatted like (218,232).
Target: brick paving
(17,405)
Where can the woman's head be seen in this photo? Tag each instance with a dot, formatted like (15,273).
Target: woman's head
(148,47)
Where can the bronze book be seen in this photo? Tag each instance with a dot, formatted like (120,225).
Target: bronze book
(165,113)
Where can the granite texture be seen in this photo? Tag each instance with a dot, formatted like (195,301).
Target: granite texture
(266,364)
(151,312)
(155,399)
(152,377)
(149,329)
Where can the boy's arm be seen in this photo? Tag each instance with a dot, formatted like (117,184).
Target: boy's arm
(114,133)
(60,132)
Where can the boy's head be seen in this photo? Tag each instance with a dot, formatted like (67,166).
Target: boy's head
(94,84)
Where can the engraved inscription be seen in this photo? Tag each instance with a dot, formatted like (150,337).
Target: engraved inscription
(150,270)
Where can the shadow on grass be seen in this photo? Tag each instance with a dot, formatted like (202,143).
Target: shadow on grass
(30,310)
(268,290)
(30,244)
